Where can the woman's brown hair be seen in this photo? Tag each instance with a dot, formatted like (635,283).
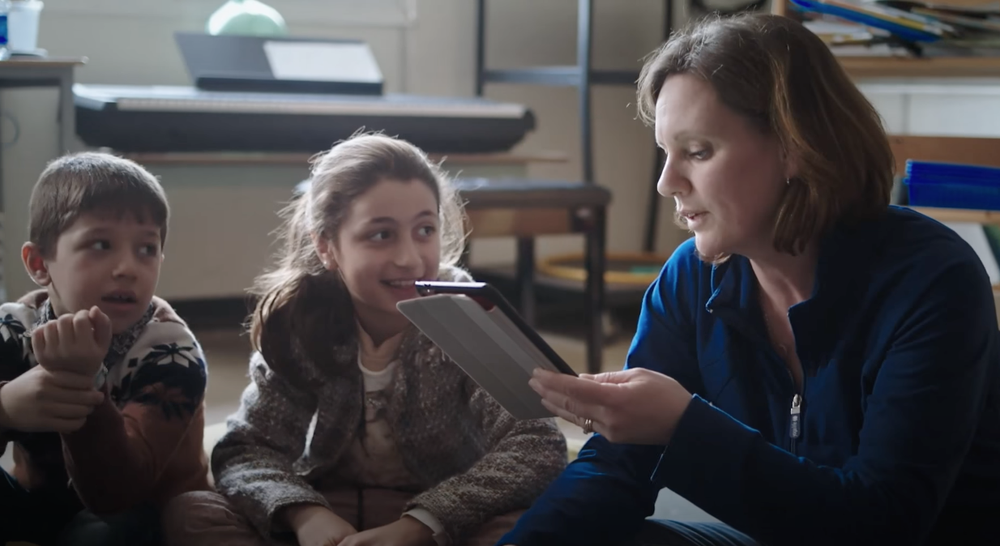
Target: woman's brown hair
(783,78)
(302,308)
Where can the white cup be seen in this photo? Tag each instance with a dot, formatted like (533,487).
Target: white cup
(22,25)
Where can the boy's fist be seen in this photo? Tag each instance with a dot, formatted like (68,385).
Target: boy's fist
(74,343)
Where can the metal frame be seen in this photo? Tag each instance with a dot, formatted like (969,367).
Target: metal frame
(581,76)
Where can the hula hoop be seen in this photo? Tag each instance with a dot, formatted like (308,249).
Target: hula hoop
(558,267)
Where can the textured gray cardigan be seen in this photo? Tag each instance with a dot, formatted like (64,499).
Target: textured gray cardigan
(474,460)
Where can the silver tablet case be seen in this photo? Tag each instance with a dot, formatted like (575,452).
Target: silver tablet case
(486,345)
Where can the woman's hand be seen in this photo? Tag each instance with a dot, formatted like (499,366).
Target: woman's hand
(315,525)
(635,406)
(405,531)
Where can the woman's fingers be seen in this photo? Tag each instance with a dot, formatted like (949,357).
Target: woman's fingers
(570,398)
(584,390)
(560,412)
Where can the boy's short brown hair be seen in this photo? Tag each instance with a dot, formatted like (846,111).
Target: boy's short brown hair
(91,182)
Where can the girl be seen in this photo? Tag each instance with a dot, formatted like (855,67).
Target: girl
(355,428)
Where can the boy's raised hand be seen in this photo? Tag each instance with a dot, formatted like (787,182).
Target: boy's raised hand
(41,400)
(75,342)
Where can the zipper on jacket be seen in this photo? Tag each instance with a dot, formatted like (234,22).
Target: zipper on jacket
(795,423)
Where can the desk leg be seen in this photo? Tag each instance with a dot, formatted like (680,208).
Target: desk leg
(526,277)
(67,115)
(596,265)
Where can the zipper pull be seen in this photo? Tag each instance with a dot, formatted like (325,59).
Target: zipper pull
(794,428)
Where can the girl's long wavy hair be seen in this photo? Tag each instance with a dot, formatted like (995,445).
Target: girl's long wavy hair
(304,309)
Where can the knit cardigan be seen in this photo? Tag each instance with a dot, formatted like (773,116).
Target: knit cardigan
(473,459)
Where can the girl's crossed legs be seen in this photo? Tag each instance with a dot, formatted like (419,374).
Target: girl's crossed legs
(206,518)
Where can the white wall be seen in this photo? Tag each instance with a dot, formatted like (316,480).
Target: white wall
(131,42)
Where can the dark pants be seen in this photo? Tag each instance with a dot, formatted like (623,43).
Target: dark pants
(678,533)
(55,517)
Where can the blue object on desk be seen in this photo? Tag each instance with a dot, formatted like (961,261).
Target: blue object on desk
(952,185)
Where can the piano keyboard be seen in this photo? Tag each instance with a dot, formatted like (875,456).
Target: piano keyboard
(191,100)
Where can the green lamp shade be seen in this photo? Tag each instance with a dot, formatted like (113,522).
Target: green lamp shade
(246,17)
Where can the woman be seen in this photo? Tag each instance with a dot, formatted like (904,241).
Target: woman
(815,366)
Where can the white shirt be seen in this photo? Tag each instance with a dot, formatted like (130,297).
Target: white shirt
(374,460)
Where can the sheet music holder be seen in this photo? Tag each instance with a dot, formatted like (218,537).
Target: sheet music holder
(280,64)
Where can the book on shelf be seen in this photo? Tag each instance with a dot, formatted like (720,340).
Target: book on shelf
(904,27)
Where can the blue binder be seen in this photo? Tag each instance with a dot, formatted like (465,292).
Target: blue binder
(952,185)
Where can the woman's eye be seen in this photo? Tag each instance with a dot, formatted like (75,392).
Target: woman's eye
(100,245)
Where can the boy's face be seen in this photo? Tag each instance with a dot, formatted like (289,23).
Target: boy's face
(113,263)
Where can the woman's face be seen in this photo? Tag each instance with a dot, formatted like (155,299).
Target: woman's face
(726,176)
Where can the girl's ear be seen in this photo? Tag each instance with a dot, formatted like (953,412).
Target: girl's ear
(325,250)
(35,265)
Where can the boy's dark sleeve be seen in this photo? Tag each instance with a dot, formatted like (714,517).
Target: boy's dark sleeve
(120,455)
(14,359)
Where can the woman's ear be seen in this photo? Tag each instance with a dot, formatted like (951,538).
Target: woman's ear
(35,265)
(325,250)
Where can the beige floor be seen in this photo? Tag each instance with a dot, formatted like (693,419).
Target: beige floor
(227,351)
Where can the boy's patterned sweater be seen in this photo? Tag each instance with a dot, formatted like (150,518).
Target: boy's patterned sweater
(143,444)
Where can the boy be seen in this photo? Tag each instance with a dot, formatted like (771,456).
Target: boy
(101,384)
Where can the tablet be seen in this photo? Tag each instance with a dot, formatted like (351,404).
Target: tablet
(478,329)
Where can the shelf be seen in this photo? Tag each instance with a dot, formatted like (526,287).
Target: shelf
(961,215)
(908,67)
(559,76)
(895,67)
(41,62)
